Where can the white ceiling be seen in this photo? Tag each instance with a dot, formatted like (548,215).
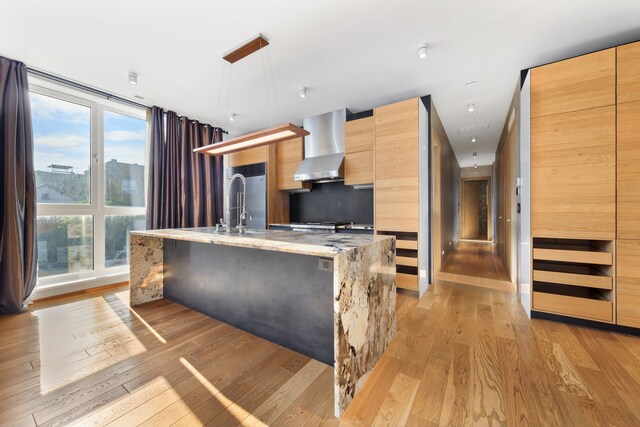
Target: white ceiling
(356,54)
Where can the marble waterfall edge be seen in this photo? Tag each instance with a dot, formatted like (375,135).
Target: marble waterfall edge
(146,271)
(364,314)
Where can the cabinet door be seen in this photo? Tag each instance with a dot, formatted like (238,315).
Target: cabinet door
(249,157)
(358,168)
(629,170)
(629,72)
(359,135)
(288,158)
(628,282)
(396,166)
(573,175)
(574,84)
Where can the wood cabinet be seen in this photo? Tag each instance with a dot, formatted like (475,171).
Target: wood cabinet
(573,187)
(574,84)
(629,170)
(250,156)
(628,78)
(289,155)
(396,166)
(358,151)
(628,282)
(573,174)
(396,183)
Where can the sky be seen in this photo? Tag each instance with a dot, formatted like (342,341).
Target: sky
(62,135)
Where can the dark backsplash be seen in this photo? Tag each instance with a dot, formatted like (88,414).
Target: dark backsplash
(332,202)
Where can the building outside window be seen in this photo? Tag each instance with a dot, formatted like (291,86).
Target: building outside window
(90,157)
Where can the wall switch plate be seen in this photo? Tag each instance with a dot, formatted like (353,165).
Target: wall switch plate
(325,264)
(423,274)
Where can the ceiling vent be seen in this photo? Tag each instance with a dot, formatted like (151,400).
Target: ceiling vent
(474,128)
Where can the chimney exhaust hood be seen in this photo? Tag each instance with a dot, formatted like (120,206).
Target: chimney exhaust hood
(323,148)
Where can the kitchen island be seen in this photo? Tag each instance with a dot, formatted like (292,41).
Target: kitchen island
(329,296)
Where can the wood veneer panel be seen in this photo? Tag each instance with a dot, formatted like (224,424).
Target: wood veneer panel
(291,150)
(407,281)
(396,166)
(628,57)
(628,282)
(583,257)
(573,279)
(249,157)
(574,84)
(359,135)
(289,155)
(567,305)
(406,244)
(246,49)
(573,174)
(628,173)
(358,167)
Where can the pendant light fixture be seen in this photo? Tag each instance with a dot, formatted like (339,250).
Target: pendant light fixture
(259,138)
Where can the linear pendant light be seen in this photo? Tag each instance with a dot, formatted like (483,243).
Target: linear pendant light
(252,140)
(259,138)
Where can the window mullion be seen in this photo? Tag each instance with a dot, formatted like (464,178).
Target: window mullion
(97,186)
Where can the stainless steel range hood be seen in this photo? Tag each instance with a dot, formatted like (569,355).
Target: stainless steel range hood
(323,148)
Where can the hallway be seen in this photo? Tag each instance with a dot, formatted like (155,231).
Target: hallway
(477,264)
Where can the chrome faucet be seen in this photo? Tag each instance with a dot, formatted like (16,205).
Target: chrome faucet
(242,207)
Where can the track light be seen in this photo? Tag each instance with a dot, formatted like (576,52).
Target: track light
(471,108)
(474,139)
(475,166)
(475,155)
(133,78)
(422,52)
(232,117)
(302,92)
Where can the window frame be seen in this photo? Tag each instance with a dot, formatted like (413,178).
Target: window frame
(97,207)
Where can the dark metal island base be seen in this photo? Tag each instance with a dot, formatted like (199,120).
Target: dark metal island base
(328,296)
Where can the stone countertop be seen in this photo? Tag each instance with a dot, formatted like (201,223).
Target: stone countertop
(307,243)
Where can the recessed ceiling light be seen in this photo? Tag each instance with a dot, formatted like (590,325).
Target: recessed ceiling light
(474,139)
(133,78)
(473,83)
(232,117)
(302,92)
(475,155)
(422,51)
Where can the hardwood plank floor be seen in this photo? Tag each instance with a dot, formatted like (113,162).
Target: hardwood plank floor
(463,355)
(476,263)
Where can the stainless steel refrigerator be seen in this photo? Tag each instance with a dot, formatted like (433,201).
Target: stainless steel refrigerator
(256,195)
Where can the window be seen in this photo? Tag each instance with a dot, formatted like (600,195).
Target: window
(90,179)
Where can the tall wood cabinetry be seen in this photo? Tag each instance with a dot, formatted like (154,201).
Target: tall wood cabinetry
(585,186)
(396,178)
(359,137)
(628,190)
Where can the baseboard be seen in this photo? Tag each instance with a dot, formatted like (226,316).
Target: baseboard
(46,292)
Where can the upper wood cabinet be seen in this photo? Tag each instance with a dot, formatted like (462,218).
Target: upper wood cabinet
(249,157)
(628,282)
(358,148)
(628,170)
(628,72)
(359,135)
(289,155)
(396,166)
(579,83)
(573,174)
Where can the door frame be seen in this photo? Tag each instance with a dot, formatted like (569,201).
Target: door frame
(489,207)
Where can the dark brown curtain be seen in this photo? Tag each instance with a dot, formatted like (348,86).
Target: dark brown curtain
(18,244)
(191,184)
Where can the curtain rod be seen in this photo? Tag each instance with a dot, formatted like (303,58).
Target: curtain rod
(76,85)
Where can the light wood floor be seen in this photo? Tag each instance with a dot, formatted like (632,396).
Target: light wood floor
(463,355)
(476,263)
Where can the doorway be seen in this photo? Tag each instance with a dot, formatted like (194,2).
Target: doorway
(476,209)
